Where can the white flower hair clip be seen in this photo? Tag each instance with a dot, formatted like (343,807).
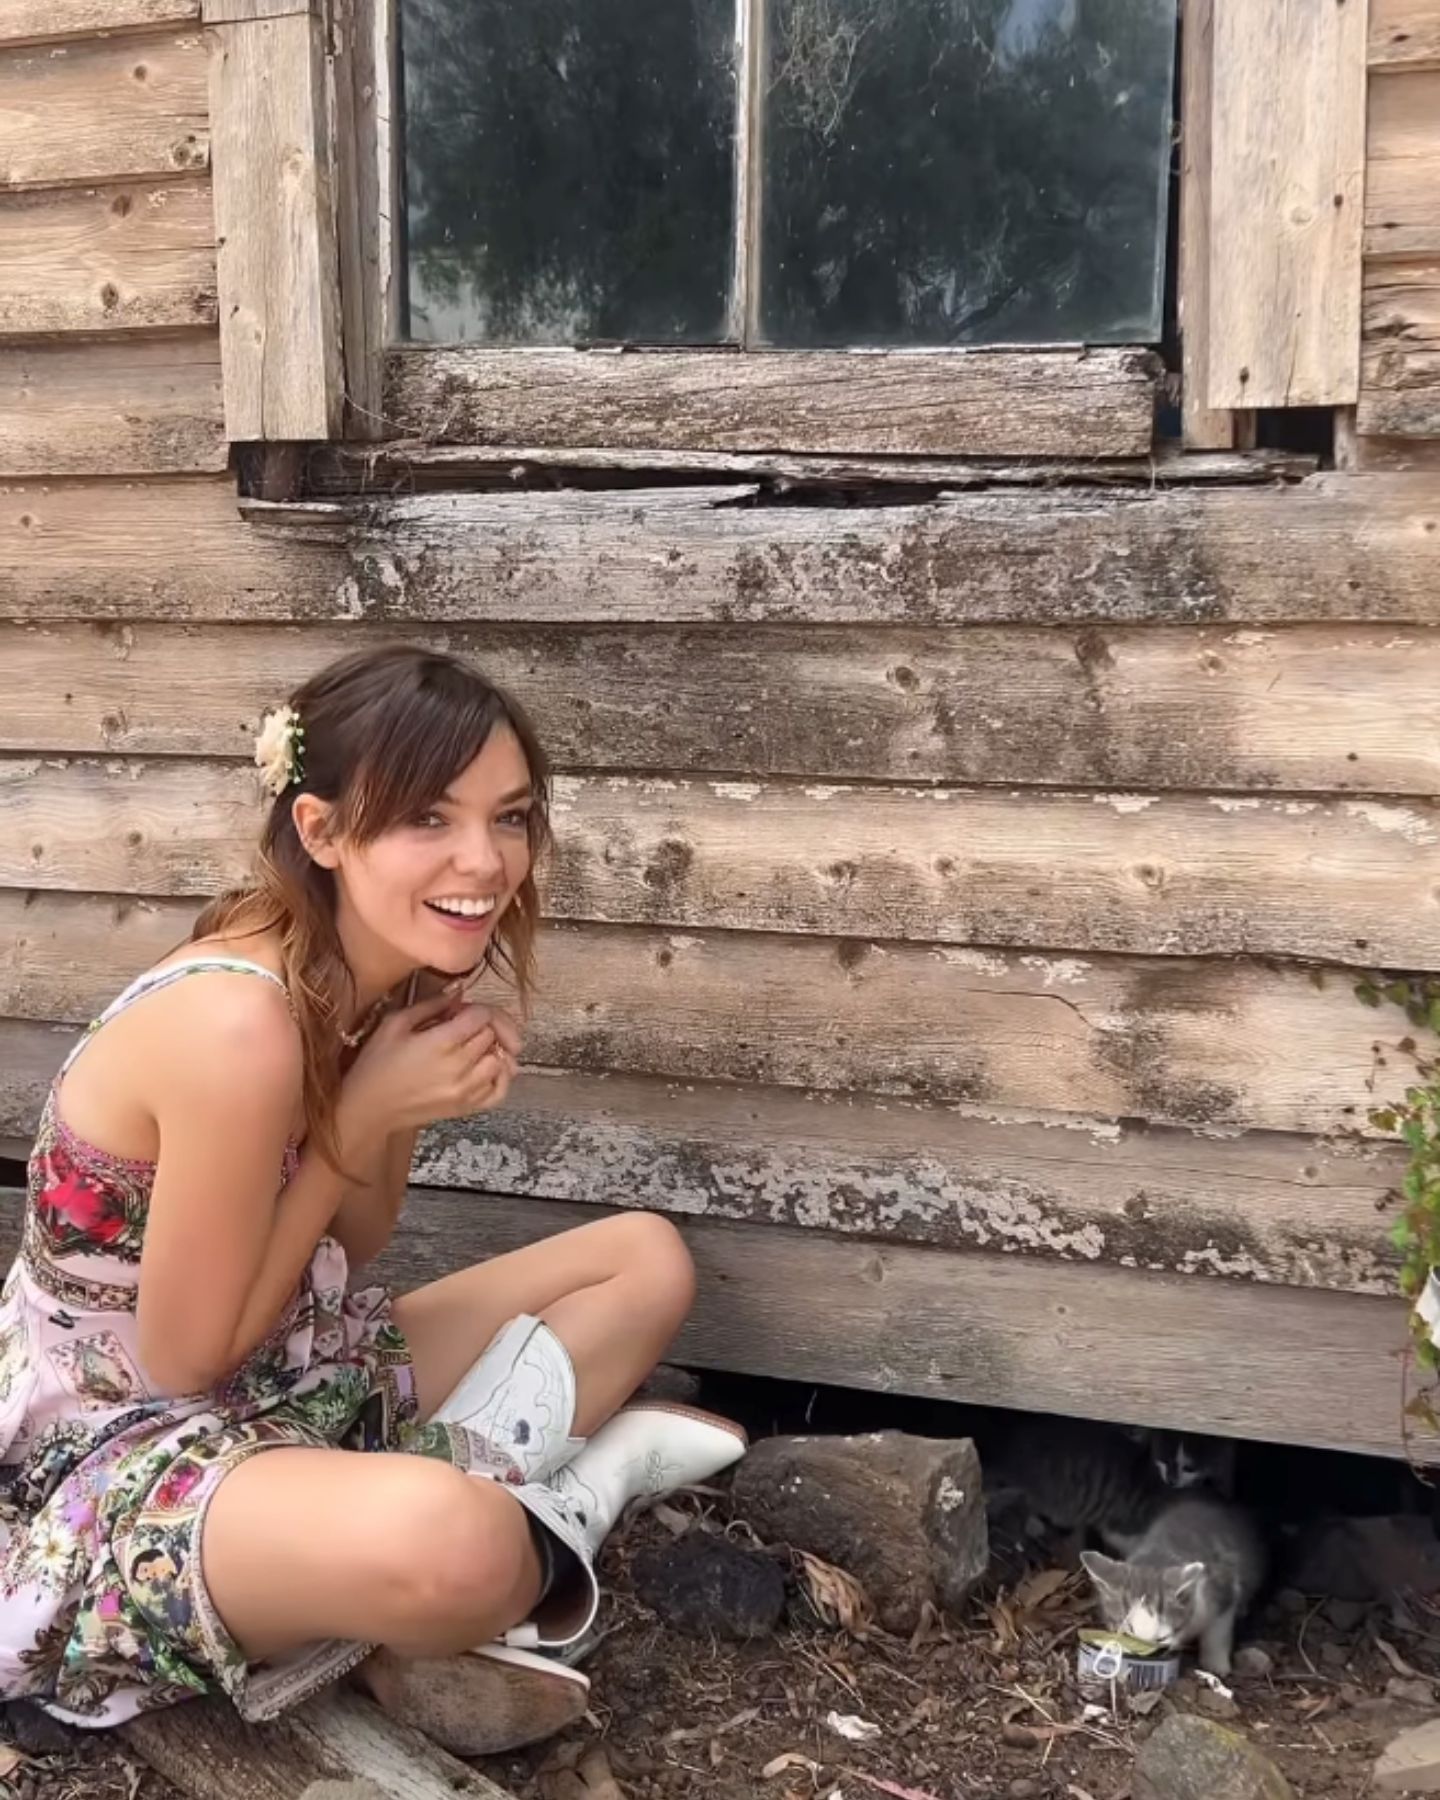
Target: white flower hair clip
(280,750)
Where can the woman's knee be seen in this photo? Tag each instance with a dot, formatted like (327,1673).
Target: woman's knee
(659,1256)
(450,1547)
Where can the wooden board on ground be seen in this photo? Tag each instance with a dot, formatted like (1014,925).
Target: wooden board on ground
(1286,217)
(33,21)
(1264,1207)
(1293,709)
(1170,1040)
(133,257)
(1350,882)
(112,109)
(1227,1357)
(1400,381)
(938,403)
(1329,548)
(124,550)
(1402,169)
(207,1752)
(130,406)
(279,299)
(1260,1206)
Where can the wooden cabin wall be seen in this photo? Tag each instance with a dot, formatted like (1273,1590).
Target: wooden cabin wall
(963,871)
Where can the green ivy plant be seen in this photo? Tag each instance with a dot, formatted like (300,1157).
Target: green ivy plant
(1416,1120)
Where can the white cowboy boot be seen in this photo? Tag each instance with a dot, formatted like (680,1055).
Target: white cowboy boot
(518,1400)
(646,1451)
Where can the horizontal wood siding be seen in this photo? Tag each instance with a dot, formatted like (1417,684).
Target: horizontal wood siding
(968,403)
(1347,881)
(111,109)
(1294,708)
(1405,34)
(136,256)
(111,409)
(1167,1039)
(36,21)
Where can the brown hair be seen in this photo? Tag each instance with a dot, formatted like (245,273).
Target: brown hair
(386,732)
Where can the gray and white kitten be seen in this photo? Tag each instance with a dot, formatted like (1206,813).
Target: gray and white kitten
(1191,1575)
(1184,1460)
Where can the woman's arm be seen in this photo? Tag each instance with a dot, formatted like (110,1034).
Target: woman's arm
(224,1246)
(370,1205)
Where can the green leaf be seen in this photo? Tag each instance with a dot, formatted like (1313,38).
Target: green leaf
(1367,993)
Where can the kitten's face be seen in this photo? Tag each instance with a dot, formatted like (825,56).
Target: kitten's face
(1157,1606)
(1184,1462)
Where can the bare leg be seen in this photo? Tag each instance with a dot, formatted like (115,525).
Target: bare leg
(614,1293)
(405,1551)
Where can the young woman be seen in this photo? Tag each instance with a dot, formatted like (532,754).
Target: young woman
(186,1374)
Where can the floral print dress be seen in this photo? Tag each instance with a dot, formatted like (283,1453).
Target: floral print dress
(104,1482)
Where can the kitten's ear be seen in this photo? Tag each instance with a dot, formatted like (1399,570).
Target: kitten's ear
(1104,1571)
(1185,1580)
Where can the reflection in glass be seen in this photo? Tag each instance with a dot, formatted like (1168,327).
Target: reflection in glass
(569,169)
(964,171)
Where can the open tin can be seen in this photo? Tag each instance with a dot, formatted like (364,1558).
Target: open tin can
(1106,1661)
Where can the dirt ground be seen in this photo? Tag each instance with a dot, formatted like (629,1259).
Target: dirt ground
(985,1708)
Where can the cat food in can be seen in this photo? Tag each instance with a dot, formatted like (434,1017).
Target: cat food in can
(1107,1660)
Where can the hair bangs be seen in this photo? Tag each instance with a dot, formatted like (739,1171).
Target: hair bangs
(420,751)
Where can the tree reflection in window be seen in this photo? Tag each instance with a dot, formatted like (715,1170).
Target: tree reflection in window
(930,172)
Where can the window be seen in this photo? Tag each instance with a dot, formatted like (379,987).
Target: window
(785,173)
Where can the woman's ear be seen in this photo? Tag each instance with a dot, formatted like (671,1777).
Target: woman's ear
(311,817)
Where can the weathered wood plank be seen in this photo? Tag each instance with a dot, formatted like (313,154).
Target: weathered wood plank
(136,406)
(1344,881)
(112,109)
(107,259)
(1193,1043)
(1301,708)
(35,21)
(276,263)
(1326,548)
(1257,1206)
(1404,34)
(1402,171)
(1221,1356)
(1287,185)
(123,550)
(940,403)
(1203,427)
(404,467)
(1372,456)
(205,1750)
(1400,382)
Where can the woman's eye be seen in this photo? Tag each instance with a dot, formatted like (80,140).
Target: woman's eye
(428,821)
(516,819)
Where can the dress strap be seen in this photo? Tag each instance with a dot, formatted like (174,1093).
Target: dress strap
(154,979)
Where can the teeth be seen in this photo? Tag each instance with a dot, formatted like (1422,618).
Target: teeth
(466,909)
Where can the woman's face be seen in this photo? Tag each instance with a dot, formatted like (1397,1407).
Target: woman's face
(429,892)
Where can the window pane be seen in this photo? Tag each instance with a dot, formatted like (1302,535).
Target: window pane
(965,171)
(569,168)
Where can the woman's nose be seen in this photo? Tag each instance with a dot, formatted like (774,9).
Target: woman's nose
(479,858)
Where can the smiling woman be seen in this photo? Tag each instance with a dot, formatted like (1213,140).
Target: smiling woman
(214,1157)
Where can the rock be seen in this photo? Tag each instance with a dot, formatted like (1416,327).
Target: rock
(1367,1559)
(1023,1788)
(1410,1763)
(1414,1690)
(1215,1705)
(666,1382)
(1334,1656)
(1291,1602)
(704,1585)
(904,1515)
(1187,1758)
(1250,1659)
(1345,1615)
(35,1732)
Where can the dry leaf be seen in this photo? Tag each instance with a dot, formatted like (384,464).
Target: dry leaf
(691,1734)
(837,1597)
(1396,1661)
(600,1783)
(790,1759)
(10,1761)
(892,1787)
(675,1522)
(852,1728)
(1036,1589)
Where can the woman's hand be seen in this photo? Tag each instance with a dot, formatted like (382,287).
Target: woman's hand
(442,1058)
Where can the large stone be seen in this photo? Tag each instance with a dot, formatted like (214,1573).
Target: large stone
(1367,1559)
(1410,1763)
(706,1586)
(1187,1758)
(904,1515)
